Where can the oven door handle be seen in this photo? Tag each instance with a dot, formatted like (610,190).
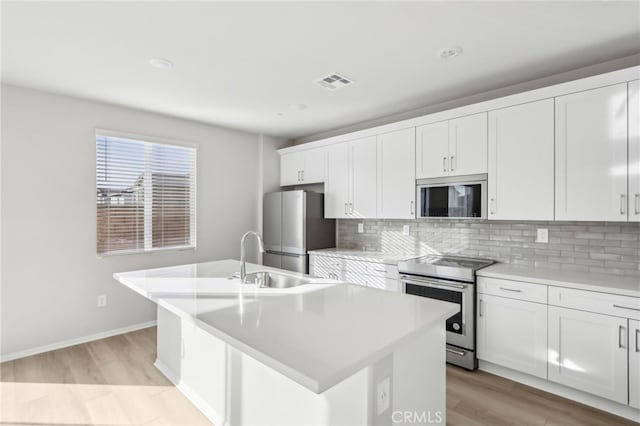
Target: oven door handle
(436,285)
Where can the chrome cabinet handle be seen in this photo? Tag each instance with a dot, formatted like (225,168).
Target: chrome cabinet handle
(636,208)
(350,208)
(626,307)
(412,210)
(620,331)
(302,175)
(515,290)
(444,164)
(345,209)
(451,163)
(492,205)
(480,309)
(623,204)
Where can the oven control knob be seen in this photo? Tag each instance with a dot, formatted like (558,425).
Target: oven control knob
(456,326)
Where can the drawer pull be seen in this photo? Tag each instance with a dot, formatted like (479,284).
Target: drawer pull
(480,309)
(453,351)
(626,307)
(515,290)
(620,332)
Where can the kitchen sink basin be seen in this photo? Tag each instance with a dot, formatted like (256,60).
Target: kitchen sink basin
(271,279)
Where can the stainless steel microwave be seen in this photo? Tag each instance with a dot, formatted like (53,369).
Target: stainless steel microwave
(456,197)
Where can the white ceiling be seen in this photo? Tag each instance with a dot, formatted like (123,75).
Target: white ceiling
(239,64)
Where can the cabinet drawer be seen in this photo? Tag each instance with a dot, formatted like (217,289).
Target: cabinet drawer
(374,281)
(602,303)
(370,268)
(513,289)
(329,262)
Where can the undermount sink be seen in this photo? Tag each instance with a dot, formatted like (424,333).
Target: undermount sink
(271,279)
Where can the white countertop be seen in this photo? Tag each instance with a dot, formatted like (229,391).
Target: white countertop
(317,334)
(606,283)
(366,256)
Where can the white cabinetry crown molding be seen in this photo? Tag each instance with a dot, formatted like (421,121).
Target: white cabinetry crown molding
(610,78)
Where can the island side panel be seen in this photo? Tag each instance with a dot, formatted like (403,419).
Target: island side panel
(419,379)
(169,345)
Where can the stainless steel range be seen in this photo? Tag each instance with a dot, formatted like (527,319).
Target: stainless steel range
(451,279)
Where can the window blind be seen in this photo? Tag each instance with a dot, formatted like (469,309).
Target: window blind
(145,195)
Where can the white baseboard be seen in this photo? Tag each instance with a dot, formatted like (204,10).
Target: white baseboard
(192,396)
(76,341)
(561,390)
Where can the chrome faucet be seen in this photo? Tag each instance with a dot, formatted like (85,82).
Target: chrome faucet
(243,262)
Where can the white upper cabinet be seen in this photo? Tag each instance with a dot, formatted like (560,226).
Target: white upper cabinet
(591,155)
(363,178)
(521,162)
(350,187)
(432,150)
(337,188)
(290,166)
(634,151)
(468,145)
(397,175)
(303,167)
(452,148)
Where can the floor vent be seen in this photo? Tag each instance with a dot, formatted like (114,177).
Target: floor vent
(333,81)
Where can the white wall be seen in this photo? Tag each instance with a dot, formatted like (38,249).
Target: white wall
(431,107)
(51,275)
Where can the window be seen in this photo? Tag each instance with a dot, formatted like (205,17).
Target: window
(145,195)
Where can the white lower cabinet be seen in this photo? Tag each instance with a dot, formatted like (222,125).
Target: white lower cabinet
(588,351)
(368,274)
(634,363)
(513,333)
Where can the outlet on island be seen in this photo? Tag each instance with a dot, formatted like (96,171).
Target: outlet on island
(102,301)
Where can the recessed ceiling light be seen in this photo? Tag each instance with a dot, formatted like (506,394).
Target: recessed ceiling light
(280,114)
(298,107)
(450,52)
(160,63)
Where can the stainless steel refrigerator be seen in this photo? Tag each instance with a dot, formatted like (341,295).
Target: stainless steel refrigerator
(294,223)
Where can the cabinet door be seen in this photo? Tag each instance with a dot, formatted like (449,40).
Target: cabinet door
(290,168)
(634,151)
(468,145)
(521,162)
(634,363)
(336,187)
(315,165)
(432,150)
(397,175)
(591,155)
(363,177)
(588,351)
(513,333)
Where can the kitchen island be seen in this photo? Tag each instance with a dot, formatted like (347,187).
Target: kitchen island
(322,353)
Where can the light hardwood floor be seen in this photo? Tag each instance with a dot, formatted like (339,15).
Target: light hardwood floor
(113,382)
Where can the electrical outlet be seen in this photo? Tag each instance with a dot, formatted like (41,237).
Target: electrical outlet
(406,229)
(383,395)
(102,301)
(361,228)
(542,235)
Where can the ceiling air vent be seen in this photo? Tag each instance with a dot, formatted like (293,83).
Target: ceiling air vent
(333,81)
